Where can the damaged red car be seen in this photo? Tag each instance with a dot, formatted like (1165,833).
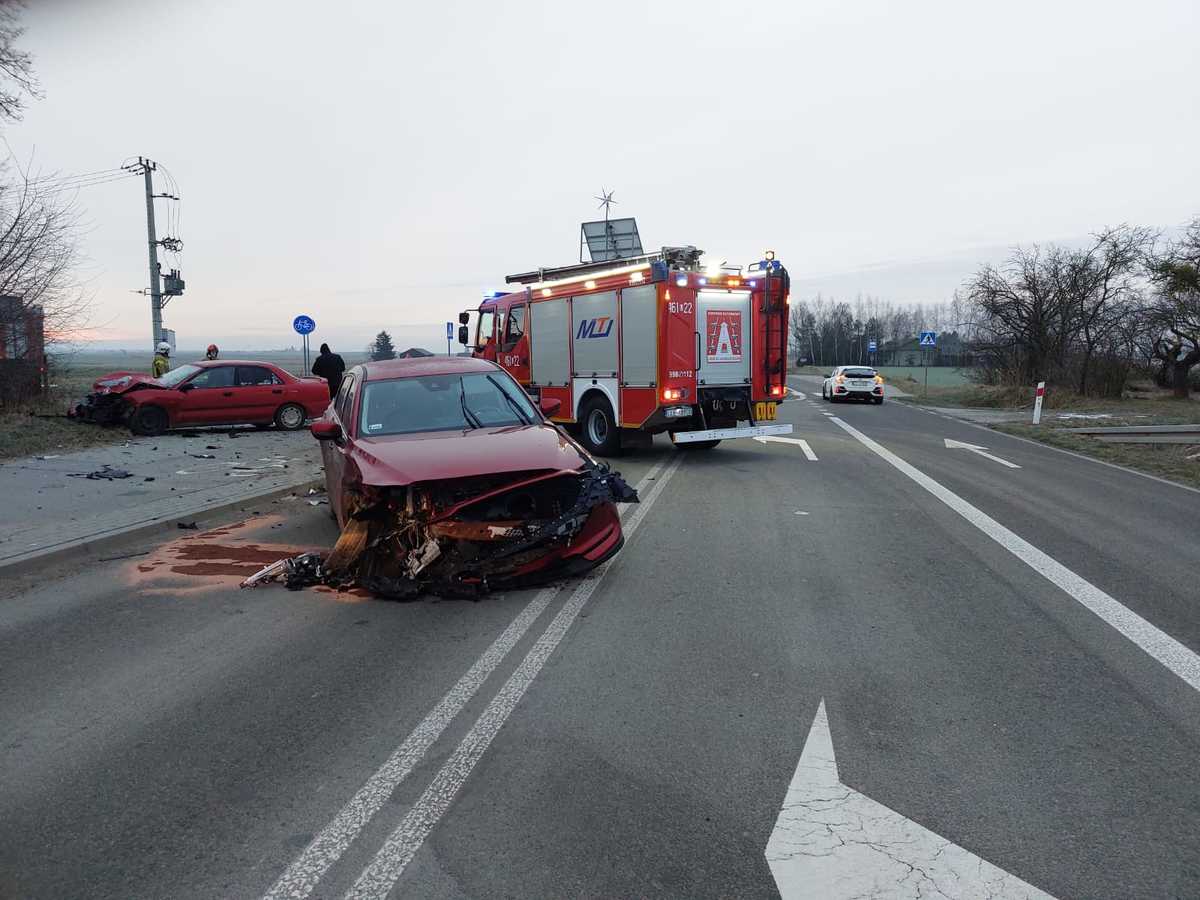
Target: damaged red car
(216,392)
(446,478)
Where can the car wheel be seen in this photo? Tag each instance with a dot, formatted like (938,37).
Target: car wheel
(879,401)
(598,428)
(149,420)
(290,417)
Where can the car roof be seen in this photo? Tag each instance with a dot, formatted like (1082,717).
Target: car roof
(209,363)
(388,369)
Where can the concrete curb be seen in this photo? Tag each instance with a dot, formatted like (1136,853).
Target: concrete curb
(91,545)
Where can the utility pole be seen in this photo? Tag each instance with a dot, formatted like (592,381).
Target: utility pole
(175,283)
(148,166)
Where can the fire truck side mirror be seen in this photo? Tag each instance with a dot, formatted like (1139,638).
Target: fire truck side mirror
(463,337)
(464,318)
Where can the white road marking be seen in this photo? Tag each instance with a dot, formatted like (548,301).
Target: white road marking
(831,841)
(1158,644)
(301,877)
(402,844)
(803,445)
(799,394)
(982,451)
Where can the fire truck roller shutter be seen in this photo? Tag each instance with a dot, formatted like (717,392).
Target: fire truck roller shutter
(639,335)
(594,342)
(723,319)
(549,343)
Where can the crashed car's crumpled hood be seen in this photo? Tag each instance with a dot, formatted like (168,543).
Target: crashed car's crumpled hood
(121,382)
(410,458)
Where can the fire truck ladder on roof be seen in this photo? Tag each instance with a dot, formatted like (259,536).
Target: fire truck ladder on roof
(686,258)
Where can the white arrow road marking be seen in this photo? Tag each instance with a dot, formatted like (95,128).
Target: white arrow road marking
(800,442)
(1157,643)
(982,451)
(830,841)
(332,841)
(378,878)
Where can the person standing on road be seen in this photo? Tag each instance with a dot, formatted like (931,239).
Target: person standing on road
(329,366)
(162,360)
(212,352)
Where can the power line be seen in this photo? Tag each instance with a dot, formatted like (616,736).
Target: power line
(59,188)
(59,179)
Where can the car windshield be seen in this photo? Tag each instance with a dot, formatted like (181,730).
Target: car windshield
(175,376)
(443,403)
(859,373)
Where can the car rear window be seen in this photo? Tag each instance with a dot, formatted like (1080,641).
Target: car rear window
(859,373)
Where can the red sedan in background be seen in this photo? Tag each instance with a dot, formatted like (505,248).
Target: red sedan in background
(216,392)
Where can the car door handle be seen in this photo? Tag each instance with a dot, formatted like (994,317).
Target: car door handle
(277,391)
(227,394)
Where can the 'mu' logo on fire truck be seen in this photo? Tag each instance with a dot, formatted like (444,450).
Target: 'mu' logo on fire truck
(599,327)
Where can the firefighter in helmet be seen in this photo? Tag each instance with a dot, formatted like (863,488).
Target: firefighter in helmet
(162,360)
(212,352)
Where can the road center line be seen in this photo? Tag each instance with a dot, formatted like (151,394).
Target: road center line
(301,877)
(389,863)
(1157,643)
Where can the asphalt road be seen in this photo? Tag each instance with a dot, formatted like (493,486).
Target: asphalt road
(634,733)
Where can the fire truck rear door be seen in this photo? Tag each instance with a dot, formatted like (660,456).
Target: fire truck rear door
(725,341)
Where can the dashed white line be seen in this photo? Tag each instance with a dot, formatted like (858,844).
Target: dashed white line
(389,863)
(1158,644)
(301,877)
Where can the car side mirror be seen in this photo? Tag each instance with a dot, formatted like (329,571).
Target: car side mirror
(830,375)
(324,430)
(463,337)
(549,405)
(464,318)
(187,387)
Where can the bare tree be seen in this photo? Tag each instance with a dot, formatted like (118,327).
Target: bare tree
(1174,312)
(17,80)
(39,253)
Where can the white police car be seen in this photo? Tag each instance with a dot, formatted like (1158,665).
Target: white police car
(853,383)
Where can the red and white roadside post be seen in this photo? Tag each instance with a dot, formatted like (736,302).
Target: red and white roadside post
(1037,403)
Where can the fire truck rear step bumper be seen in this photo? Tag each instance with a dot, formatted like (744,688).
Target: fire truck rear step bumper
(727,434)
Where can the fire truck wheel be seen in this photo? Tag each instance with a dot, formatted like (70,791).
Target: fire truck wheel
(598,429)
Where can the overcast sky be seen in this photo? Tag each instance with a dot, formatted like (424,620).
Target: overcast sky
(380,164)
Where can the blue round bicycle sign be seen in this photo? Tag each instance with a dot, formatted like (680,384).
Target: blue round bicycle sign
(304,325)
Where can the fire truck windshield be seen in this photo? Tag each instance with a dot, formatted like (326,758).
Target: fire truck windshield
(487,326)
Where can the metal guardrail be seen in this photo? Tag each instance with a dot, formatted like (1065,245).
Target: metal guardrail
(1143,434)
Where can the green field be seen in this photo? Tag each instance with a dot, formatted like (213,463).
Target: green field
(939,376)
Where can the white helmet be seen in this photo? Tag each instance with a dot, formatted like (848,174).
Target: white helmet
(164,347)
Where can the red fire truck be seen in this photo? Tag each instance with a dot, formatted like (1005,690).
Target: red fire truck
(637,346)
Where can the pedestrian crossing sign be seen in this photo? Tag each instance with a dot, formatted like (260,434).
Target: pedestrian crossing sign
(928,339)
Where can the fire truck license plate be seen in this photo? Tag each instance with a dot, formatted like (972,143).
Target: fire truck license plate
(764,411)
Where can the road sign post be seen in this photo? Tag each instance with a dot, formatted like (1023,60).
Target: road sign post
(1037,403)
(928,341)
(449,336)
(871,348)
(304,326)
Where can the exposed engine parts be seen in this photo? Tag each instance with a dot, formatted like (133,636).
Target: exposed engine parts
(461,537)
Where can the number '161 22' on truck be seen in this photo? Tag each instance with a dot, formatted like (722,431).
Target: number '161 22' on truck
(637,346)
